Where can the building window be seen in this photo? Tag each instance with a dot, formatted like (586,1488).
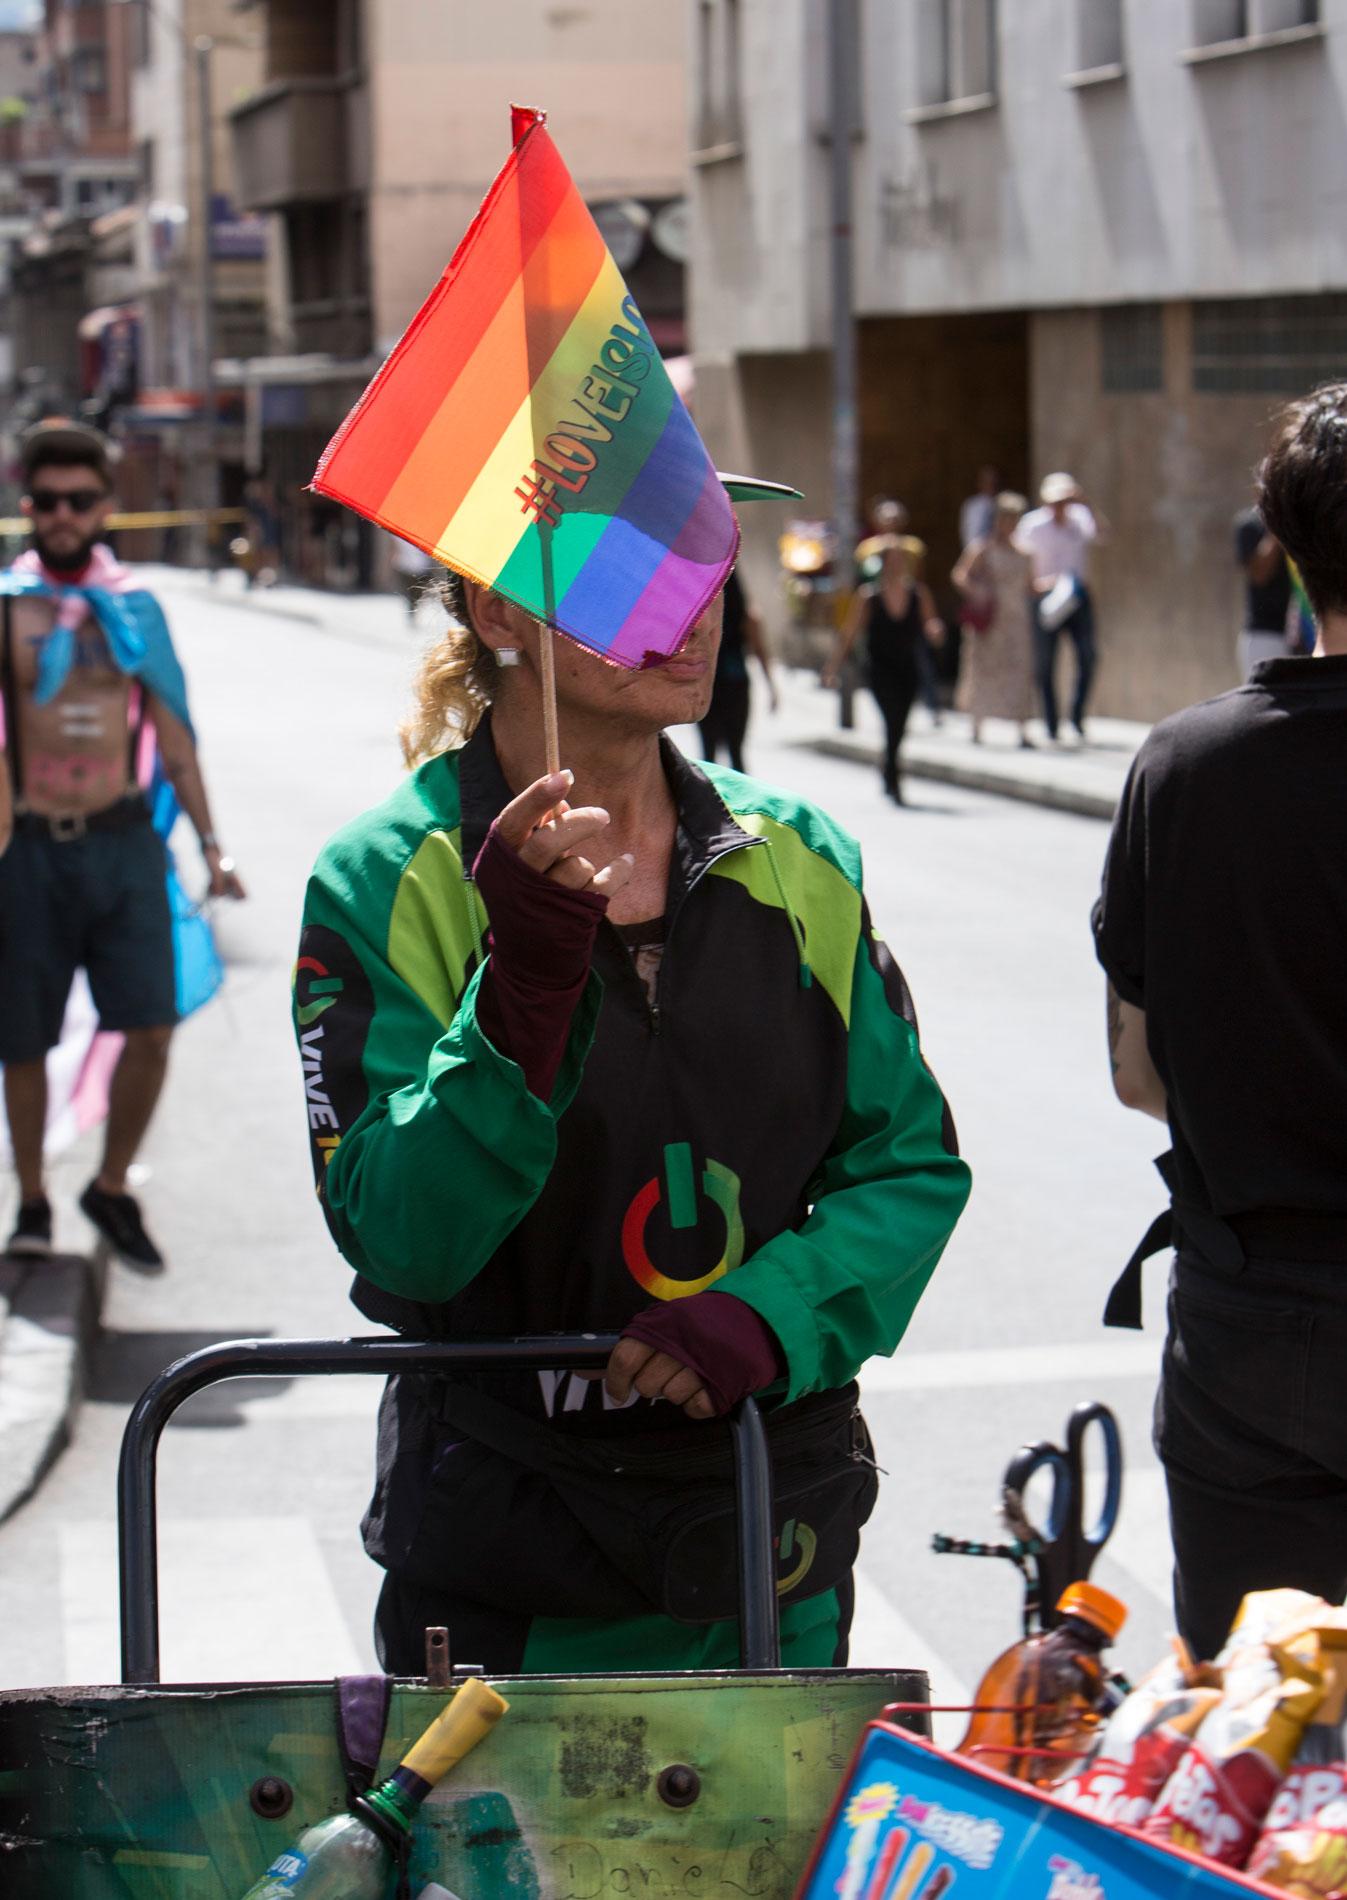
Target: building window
(1132,349)
(956,51)
(1218,21)
(1268,346)
(1099,34)
(719,102)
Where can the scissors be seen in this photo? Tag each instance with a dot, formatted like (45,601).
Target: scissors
(1067,1548)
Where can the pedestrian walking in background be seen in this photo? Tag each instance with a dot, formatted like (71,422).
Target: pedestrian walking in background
(411,568)
(86,664)
(978,514)
(1220,930)
(898,618)
(1058,537)
(263,565)
(995,579)
(1267,592)
(725,721)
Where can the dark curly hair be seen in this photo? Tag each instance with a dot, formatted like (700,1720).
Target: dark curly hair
(1302,493)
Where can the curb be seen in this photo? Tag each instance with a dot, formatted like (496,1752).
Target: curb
(975,777)
(49,1317)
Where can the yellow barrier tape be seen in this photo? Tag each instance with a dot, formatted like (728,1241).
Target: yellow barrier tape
(153,518)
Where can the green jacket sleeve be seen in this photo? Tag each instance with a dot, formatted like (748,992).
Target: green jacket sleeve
(428,1147)
(842,1287)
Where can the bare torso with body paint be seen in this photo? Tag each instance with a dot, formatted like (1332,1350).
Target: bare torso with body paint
(74,750)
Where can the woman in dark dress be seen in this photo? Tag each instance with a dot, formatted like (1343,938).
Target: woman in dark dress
(898,616)
(726,719)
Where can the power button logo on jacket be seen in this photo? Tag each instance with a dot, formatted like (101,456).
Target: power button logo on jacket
(672,1204)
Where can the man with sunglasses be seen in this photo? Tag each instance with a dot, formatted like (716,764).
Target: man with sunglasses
(86,667)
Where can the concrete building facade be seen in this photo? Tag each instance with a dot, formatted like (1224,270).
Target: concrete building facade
(1104,235)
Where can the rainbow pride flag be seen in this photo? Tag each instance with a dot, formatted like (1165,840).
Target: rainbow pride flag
(525,432)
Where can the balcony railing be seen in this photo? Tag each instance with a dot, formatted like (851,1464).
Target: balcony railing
(299,141)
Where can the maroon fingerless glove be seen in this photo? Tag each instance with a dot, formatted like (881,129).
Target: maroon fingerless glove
(720,1338)
(542,941)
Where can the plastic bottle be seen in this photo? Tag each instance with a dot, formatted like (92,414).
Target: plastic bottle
(1040,1703)
(347,1856)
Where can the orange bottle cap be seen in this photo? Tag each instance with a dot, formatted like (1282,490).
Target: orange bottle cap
(1093,1605)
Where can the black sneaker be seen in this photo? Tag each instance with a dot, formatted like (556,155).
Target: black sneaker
(31,1239)
(117,1218)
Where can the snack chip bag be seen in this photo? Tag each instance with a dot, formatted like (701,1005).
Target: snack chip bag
(1215,1800)
(1303,1845)
(1142,1742)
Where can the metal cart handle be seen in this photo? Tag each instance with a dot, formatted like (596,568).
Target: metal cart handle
(137,1532)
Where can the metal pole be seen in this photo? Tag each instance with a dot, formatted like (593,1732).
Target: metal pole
(841,107)
(759,1606)
(206,291)
(137,1510)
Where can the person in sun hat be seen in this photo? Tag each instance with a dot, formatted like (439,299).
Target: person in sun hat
(1058,537)
(613,1050)
(87,668)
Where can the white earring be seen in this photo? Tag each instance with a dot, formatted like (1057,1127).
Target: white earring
(507,656)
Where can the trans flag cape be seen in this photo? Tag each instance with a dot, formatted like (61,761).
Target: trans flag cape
(525,431)
(138,639)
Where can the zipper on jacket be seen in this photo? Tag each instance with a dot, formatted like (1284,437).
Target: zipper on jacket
(656,1008)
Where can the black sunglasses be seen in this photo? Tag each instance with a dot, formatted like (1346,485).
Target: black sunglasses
(79,500)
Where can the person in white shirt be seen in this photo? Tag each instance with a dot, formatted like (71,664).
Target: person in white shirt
(1057,538)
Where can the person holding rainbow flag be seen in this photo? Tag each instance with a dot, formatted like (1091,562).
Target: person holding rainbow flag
(594,1037)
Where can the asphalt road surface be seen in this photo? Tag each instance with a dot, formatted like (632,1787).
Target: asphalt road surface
(985,904)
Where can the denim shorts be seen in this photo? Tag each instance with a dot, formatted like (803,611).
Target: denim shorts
(97,903)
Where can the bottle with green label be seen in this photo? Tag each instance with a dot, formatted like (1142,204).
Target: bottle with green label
(347,1856)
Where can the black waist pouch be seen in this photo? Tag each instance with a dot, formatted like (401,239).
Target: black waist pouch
(661,1510)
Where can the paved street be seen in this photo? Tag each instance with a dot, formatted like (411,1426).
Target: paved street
(985,902)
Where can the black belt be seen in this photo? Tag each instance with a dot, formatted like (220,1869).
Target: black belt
(1227,1245)
(67,827)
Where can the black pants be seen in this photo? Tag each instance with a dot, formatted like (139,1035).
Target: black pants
(1251,1427)
(1079,629)
(893,694)
(726,722)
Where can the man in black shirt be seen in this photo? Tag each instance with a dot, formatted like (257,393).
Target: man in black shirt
(1221,928)
(1267,591)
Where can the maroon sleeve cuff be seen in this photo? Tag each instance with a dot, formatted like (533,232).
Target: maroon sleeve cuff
(542,941)
(723,1340)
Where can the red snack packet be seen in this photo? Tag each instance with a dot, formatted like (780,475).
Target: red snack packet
(1215,1800)
(1303,1846)
(1142,1742)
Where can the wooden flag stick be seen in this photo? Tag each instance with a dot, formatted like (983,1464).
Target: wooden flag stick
(551,741)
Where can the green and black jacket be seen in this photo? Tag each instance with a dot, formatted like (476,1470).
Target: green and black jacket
(764,1127)
(768,1126)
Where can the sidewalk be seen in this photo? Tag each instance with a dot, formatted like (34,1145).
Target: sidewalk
(1066,776)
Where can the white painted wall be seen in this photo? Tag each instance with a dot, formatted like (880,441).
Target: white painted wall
(1179,180)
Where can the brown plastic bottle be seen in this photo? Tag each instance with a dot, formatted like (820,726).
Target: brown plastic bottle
(1039,1704)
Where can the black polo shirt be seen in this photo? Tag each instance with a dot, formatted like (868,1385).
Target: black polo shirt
(1224,917)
